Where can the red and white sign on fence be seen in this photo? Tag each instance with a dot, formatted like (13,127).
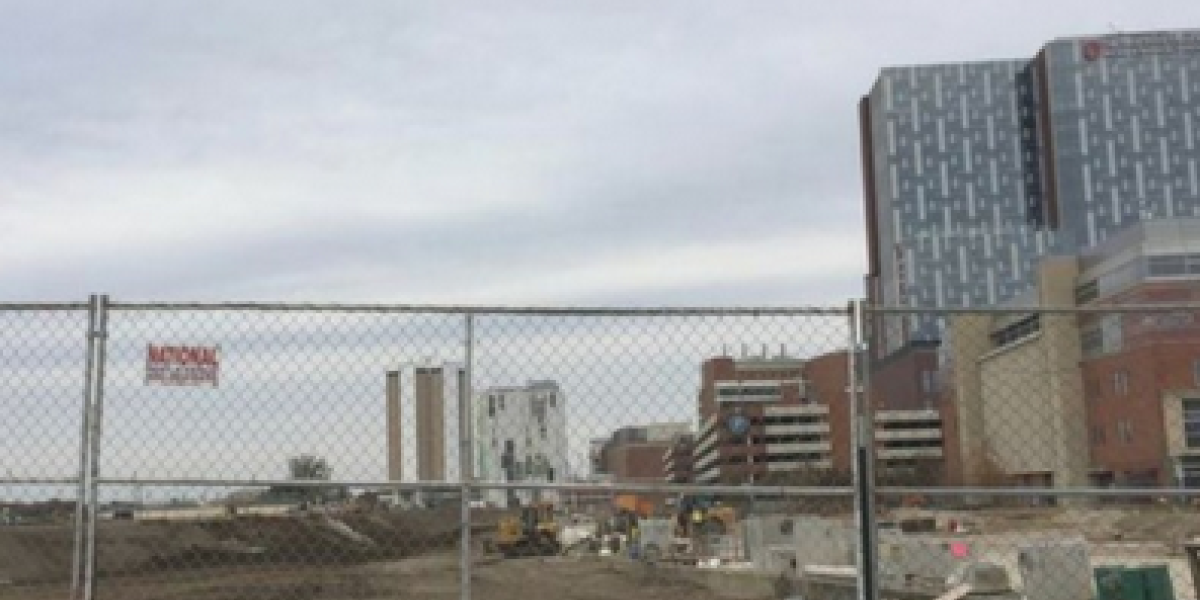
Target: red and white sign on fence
(182,365)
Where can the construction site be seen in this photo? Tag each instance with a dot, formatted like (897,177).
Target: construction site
(628,548)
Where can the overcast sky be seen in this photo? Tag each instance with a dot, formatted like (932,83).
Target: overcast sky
(586,152)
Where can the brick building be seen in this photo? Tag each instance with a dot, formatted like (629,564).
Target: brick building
(1099,398)
(678,459)
(635,454)
(1141,371)
(769,416)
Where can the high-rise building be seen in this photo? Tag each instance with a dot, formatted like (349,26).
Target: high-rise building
(973,171)
(395,438)
(430,423)
(521,436)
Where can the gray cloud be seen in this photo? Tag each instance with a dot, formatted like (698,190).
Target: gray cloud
(416,152)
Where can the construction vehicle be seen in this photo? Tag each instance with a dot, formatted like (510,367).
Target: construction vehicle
(532,531)
(639,506)
(697,516)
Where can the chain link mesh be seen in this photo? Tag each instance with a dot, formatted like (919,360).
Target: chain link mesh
(653,453)
(42,373)
(1050,449)
(266,484)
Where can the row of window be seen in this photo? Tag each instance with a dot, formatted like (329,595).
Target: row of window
(933,423)
(1162,265)
(1121,381)
(1107,336)
(1169,265)
(1124,433)
(496,402)
(905,444)
(749,390)
(777,458)
(791,420)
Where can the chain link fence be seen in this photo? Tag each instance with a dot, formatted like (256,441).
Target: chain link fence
(246,451)
(1049,451)
(45,376)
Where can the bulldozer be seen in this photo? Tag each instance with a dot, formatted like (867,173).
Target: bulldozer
(532,531)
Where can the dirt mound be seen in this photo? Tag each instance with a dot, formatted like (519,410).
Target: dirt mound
(44,553)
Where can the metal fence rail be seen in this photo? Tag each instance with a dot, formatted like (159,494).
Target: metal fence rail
(276,450)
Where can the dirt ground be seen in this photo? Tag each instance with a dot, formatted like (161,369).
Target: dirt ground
(419,578)
(412,555)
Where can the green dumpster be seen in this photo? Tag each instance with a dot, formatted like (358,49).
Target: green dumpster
(1134,583)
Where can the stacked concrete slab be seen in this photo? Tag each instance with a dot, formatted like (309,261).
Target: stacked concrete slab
(786,543)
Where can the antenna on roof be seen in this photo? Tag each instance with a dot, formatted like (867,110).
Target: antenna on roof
(1113,27)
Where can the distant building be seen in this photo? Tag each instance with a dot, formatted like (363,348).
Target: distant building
(395,437)
(521,436)
(1063,399)
(635,454)
(1141,372)
(430,423)
(794,413)
(904,389)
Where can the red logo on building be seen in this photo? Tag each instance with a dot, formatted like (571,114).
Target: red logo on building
(1093,50)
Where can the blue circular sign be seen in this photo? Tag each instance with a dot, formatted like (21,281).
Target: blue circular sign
(738,425)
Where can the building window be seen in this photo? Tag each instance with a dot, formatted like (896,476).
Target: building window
(1191,422)
(1087,292)
(1125,431)
(1121,382)
(1167,265)
(553,401)
(928,381)
(1016,331)
(1092,341)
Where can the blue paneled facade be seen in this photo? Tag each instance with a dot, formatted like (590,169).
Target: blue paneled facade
(974,171)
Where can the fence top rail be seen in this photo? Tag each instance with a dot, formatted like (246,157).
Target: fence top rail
(43,306)
(1073,492)
(481,310)
(597,488)
(1011,310)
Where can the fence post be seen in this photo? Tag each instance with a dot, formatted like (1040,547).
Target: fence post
(862,419)
(97,422)
(78,557)
(465,463)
